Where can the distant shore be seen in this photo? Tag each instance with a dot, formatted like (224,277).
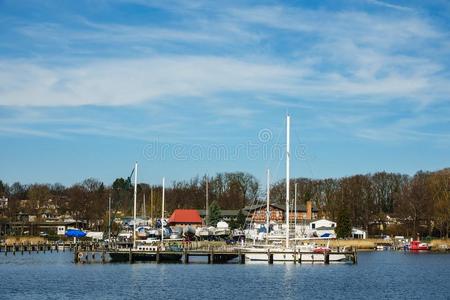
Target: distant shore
(366,244)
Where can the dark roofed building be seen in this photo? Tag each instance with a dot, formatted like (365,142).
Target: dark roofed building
(257,213)
(226,214)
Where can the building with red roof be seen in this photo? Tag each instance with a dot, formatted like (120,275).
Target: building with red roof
(184,217)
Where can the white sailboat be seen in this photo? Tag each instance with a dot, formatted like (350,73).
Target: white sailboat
(142,251)
(286,252)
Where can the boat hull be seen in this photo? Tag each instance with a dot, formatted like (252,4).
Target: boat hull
(123,256)
(289,256)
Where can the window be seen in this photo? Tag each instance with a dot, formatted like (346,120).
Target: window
(313,225)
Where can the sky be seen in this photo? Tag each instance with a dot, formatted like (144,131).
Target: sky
(189,88)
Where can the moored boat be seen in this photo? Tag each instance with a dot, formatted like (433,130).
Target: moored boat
(418,246)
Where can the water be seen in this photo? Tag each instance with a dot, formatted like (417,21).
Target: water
(381,275)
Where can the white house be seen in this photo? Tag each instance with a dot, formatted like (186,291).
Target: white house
(359,233)
(323,228)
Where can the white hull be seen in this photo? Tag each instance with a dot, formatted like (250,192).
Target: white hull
(289,256)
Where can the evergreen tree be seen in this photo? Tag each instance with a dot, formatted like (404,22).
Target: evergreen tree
(344,224)
(240,219)
(214,214)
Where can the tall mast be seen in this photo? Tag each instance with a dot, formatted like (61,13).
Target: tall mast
(162,209)
(295,208)
(134,208)
(109,218)
(267,206)
(207,202)
(288,157)
(151,204)
(144,214)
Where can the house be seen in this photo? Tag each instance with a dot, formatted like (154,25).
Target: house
(323,228)
(185,217)
(226,214)
(257,213)
(359,233)
(3,202)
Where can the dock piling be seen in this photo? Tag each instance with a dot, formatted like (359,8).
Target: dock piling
(130,257)
(326,258)
(157,255)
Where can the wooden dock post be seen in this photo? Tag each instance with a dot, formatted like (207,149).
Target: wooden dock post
(295,256)
(103,256)
(186,256)
(75,256)
(300,259)
(6,250)
(269,257)
(241,257)
(212,256)
(355,258)
(14,249)
(130,257)
(326,257)
(29,247)
(21,248)
(157,256)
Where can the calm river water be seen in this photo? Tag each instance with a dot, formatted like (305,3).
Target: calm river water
(379,275)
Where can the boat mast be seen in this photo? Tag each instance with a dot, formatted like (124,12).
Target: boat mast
(207,202)
(143,209)
(134,209)
(151,205)
(295,208)
(288,154)
(267,206)
(109,218)
(162,209)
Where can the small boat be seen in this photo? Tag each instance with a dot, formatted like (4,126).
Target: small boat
(176,233)
(322,249)
(222,229)
(143,253)
(202,232)
(76,233)
(418,246)
(189,231)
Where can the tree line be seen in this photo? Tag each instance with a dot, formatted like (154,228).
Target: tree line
(382,203)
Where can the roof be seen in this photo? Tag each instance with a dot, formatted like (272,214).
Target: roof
(224,212)
(185,216)
(300,208)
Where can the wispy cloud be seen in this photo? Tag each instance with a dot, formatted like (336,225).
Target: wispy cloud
(389,5)
(276,55)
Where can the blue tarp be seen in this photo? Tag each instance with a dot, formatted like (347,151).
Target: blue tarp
(75,233)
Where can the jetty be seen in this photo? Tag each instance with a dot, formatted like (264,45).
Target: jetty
(84,253)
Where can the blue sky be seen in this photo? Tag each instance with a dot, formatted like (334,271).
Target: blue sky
(195,87)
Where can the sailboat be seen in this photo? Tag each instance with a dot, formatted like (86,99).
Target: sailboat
(286,252)
(143,251)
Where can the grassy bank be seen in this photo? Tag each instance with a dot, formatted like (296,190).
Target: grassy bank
(18,240)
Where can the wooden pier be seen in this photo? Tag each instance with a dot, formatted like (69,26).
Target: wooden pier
(23,248)
(88,252)
(215,256)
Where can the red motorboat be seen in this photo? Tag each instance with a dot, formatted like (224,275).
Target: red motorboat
(417,245)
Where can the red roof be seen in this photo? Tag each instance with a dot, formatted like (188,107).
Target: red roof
(185,216)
